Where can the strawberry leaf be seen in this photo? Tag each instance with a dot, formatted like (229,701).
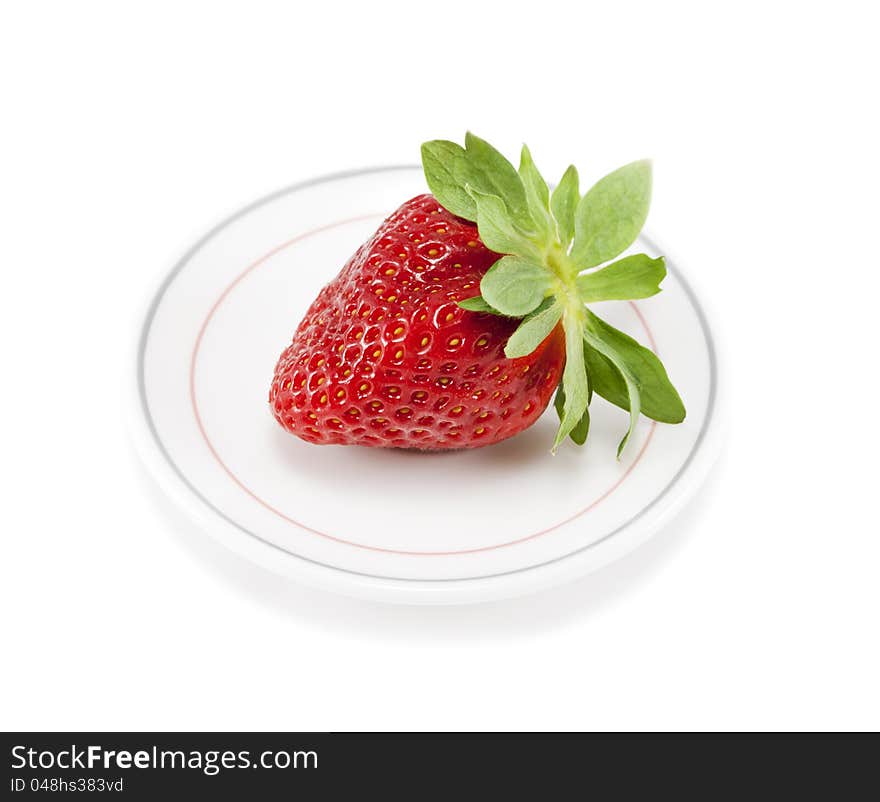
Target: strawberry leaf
(515,286)
(609,217)
(636,276)
(533,331)
(444,164)
(582,428)
(537,197)
(563,203)
(498,231)
(659,398)
(550,243)
(491,174)
(574,379)
(632,386)
(478,304)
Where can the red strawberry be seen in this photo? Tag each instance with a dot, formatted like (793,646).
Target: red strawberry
(455,323)
(386,357)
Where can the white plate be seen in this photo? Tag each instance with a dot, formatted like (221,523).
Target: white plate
(386,524)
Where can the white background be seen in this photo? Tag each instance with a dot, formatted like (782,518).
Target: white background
(129,130)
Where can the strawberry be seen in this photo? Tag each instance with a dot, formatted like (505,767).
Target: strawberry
(386,357)
(455,323)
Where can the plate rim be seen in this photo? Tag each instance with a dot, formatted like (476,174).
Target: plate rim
(216,523)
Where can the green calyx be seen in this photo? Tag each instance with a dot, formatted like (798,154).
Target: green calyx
(556,246)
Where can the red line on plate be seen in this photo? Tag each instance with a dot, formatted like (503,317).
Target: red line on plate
(192,391)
